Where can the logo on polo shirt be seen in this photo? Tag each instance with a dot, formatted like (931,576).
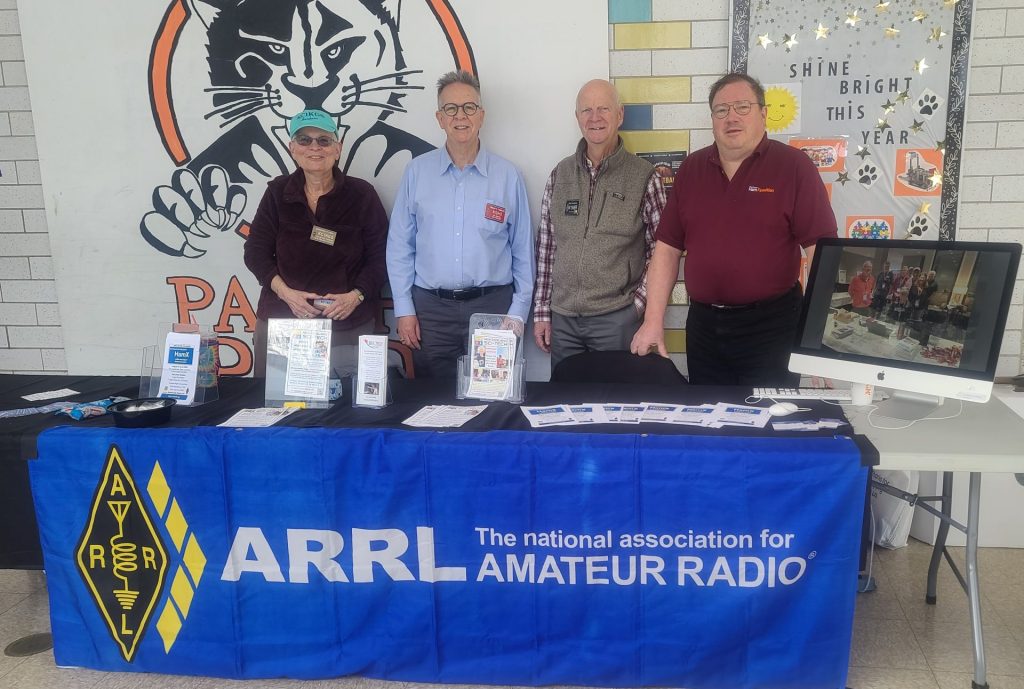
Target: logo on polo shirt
(123,558)
(761,190)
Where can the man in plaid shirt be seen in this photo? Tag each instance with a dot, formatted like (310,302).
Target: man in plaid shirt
(600,209)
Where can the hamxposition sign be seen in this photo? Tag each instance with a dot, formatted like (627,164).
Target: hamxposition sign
(503,558)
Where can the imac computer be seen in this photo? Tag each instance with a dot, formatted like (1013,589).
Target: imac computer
(922,318)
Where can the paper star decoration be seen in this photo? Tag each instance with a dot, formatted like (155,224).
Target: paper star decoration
(843,178)
(888,106)
(853,18)
(950,3)
(916,127)
(821,32)
(924,208)
(764,41)
(919,16)
(883,124)
(882,7)
(936,34)
(940,146)
(903,97)
(892,32)
(920,66)
(862,151)
(789,41)
(935,179)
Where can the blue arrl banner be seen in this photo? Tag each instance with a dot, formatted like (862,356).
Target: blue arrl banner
(501,558)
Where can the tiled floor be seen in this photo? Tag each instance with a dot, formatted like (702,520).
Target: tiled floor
(899,642)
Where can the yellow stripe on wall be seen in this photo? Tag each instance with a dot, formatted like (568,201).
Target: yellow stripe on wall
(657,140)
(675,341)
(654,89)
(652,35)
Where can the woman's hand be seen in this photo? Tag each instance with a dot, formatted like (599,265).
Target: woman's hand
(296,300)
(343,306)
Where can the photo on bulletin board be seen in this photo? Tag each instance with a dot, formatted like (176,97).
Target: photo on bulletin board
(869,226)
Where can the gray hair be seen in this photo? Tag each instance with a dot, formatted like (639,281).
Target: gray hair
(732,78)
(459,77)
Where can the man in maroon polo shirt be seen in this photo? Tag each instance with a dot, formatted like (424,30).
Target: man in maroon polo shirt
(740,209)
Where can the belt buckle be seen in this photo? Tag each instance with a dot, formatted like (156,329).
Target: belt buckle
(458,294)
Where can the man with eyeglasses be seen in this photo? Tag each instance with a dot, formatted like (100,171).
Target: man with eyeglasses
(600,209)
(460,240)
(741,209)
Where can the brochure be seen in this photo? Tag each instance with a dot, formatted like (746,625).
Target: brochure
(309,363)
(372,373)
(180,367)
(554,415)
(258,418)
(492,360)
(443,416)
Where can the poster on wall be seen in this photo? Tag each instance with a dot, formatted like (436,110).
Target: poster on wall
(179,121)
(875,94)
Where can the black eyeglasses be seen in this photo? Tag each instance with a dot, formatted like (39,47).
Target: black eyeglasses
(742,107)
(452,109)
(321,141)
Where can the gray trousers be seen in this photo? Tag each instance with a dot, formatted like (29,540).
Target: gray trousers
(444,328)
(608,332)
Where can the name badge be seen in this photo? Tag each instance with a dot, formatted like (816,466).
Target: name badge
(572,207)
(323,235)
(495,213)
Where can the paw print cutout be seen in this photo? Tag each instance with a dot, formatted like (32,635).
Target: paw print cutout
(867,175)
(928,103)
(917,227)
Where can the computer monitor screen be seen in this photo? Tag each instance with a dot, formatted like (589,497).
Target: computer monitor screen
(916,316)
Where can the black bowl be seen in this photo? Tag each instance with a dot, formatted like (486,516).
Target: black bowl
(149,411)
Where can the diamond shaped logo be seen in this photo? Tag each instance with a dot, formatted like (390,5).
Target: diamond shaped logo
(121,557)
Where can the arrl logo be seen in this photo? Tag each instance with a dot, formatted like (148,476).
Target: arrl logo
(121,556)
(124,562)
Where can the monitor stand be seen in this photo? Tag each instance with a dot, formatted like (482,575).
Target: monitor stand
(908,406)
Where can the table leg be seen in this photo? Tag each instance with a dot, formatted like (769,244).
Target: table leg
(973,595)
(946,507)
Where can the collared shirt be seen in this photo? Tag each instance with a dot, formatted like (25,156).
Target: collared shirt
(860,290)
(457,229)
(652,207)
(742,237)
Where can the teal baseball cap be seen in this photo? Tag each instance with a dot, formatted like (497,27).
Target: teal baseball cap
(312,118)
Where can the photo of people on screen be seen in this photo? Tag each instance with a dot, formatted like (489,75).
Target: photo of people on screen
(916,306)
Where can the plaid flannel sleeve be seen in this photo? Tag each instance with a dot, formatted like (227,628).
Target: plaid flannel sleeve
(545,256)
(655,199)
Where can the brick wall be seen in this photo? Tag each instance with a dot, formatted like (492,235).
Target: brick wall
(654,42)
(30,337)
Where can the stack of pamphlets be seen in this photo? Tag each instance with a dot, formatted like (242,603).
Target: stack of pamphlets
(708,415)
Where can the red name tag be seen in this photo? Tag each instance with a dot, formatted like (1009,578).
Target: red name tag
(495,213)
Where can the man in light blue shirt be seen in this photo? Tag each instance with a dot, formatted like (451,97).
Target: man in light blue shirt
(460,240)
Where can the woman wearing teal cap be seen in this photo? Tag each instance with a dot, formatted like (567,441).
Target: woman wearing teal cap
(317,242)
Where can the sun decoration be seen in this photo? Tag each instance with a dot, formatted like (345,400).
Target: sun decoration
(782,108)
(821,31)
(920,66)
(764,41)
(853,17)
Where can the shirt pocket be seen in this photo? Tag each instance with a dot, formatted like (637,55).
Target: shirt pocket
(491,216)
(610,214)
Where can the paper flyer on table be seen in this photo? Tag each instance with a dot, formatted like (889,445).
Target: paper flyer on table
(372,373)
(632,413)
(180,367)
(309,364)
(444,416)
(52,394)
(700,415)
(555,415)
(258,418)
(588,413)
(740,415)
(659,413)
(612,412)
(492,360)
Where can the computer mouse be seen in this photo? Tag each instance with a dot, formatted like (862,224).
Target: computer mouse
(783,409)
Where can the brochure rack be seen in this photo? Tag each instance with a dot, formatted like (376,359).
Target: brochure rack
(206,389)
(487,364)
(298,362)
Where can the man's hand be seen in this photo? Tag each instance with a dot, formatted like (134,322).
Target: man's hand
(649,338)
(296,300)
(409,331)
(512,323)
(343,306)
(542,335)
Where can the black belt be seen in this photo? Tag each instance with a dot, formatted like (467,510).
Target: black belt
(464,294)
(753,305)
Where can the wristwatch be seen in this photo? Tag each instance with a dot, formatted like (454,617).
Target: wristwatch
(359,293)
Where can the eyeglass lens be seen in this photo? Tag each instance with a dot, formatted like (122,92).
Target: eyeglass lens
(321,141)
(742,107)
(452,109)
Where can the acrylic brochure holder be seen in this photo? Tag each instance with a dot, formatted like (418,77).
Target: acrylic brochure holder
(370,385)
(206,389)
(494,369)
(298,363)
